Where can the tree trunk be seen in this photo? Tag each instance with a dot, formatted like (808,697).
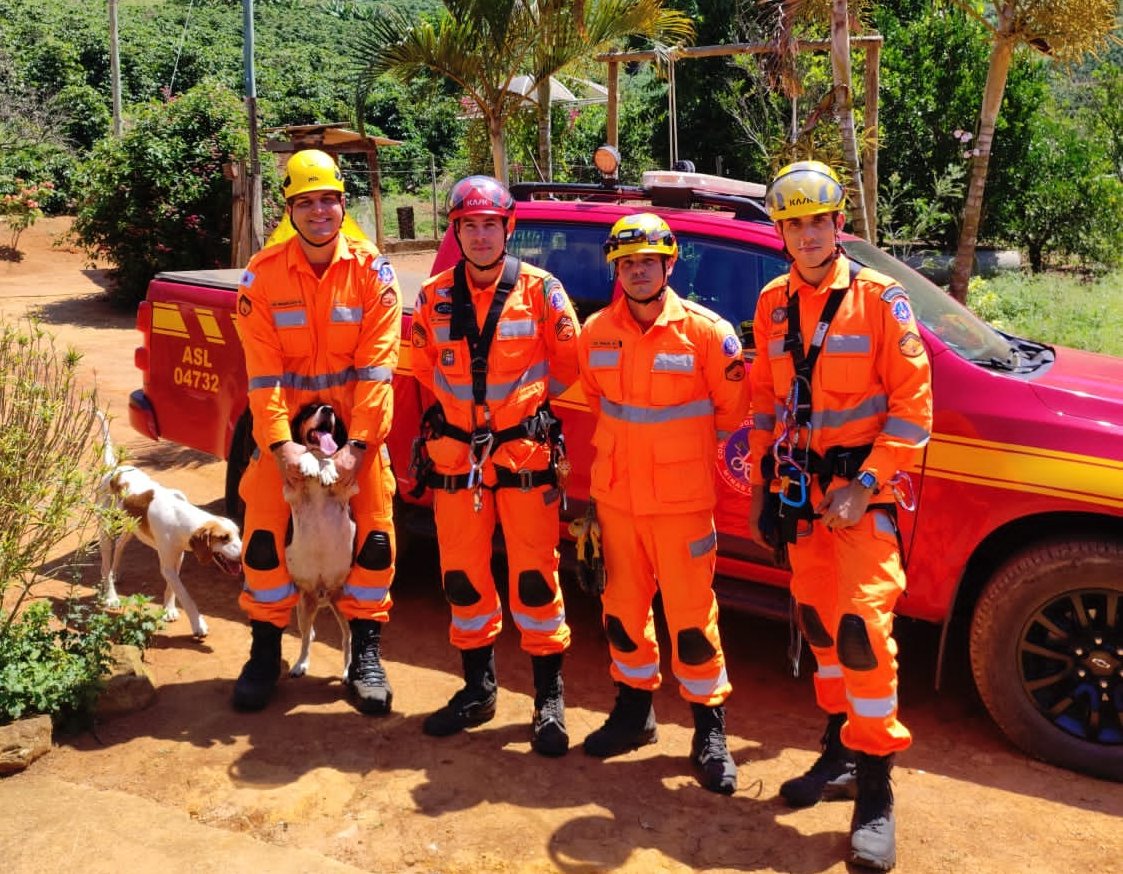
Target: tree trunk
(498,147)
(545,161)
(844,110)
(1000,59)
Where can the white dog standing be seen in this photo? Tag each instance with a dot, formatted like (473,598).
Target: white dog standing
(170,524)
(323,532)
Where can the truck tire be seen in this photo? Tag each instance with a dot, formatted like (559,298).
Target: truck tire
(1047,653)
(241,448)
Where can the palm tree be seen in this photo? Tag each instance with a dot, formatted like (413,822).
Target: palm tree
(574,32)
(482,45)
(1062,29)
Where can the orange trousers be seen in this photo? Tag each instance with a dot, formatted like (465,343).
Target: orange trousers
(674,553)
(269,594)
(845,583)
(530,531)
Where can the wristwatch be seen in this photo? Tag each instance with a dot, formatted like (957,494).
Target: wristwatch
(358,444)
(867,479)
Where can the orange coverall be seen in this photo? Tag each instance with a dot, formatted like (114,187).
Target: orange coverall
(662,398)
(533,356)
(333,340)
(871,385)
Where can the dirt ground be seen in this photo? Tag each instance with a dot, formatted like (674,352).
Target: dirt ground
(310,784)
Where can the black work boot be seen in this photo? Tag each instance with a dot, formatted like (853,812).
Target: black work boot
(367,677)
(832,775)
(873,830)
(631,724)
(472,705)
(709,754)
(254,686)
(550,737)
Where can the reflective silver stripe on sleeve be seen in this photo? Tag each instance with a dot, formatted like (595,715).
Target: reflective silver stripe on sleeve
(604,357)
(656,415)
(346,315)
(682,362)
(374,374)
(270,381)
(829,672)
(883,523)
(515,328)
(764,422)
(290,318)
(906,430)
(698,548)
(852,343)
(871,406)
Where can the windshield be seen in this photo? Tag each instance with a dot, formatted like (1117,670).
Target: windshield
(943,315)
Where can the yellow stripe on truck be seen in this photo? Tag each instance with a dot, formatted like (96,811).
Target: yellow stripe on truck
(1082,478)
(209,325)
(168,319)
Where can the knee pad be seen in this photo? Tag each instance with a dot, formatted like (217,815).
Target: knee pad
(534,591)
(854,649)
(261,552)
(694,648)
(617,636)
(376,553)
(458,589)
(812,626)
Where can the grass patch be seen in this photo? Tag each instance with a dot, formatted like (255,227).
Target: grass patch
(1060,309)
(362,210)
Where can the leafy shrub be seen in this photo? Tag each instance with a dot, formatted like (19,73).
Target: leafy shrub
(21,206)
(156,199)
(49,469)
(56,668)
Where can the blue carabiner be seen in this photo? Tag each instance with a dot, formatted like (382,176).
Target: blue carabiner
(801,478)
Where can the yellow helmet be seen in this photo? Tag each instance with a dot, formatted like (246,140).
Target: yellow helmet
(640,234)
(311,170)
(804,188)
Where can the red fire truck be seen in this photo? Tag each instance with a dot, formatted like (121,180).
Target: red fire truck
(1017,534)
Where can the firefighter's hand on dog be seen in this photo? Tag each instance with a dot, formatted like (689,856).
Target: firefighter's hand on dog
(844,506)
(287,456)
(348,460)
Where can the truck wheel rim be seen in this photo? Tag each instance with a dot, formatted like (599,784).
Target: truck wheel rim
(1070,654)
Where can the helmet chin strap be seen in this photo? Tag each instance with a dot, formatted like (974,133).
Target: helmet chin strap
(300,234)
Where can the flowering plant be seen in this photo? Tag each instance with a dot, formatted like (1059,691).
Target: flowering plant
(20,206)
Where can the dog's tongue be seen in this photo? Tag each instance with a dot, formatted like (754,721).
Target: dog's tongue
(327,444)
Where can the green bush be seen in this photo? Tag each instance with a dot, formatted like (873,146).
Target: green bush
(56,667)
(156,199)
(50,464)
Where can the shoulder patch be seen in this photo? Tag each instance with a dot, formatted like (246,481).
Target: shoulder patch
(245,305)
(911,345)
(382,267)
(247,278)
(892,293)
(731,345)
(556,295)
(901,310)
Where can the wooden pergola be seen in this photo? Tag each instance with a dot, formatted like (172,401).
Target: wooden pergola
(335,139)
(870,43)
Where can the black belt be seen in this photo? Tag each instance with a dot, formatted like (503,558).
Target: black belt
(524,480)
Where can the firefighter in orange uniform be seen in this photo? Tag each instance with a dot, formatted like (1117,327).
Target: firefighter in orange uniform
(493,340)
(320,320)
(841,398)
(665,379)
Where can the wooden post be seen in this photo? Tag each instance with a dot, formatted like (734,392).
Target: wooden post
(870,140)
(612,118)
(376,196)
(241,244)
